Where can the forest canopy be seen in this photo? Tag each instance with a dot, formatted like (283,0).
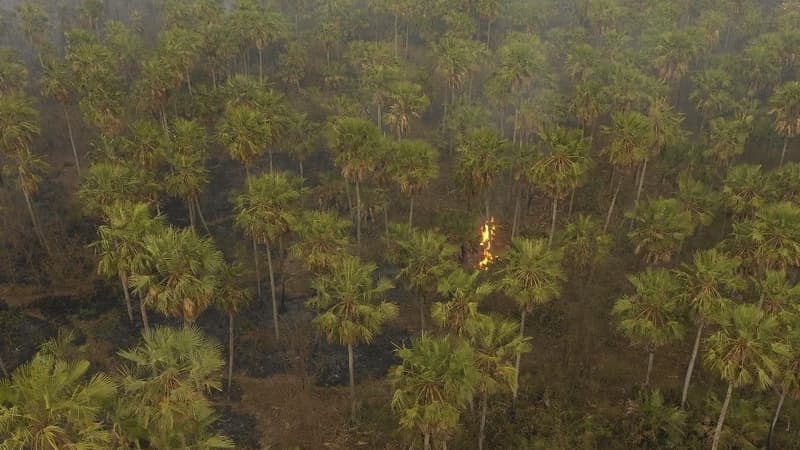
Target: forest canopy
(397,224)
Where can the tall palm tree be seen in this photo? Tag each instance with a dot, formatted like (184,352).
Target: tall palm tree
(787,379)
(771,239)
(584,243)
(105,183)
(50,403)
(56,83)
(462,291)
(746,188)
(785,106)
(121,246)
(712,94)
(301,138)
(659,229)
(424,257)
(413,165)
(406,102)
(352,308)
(242,130)
(674,54)
(481,160)
(777,295)
(164,384)
(495,343)
(629,142)
(180,273)
(19,126)
(322,238)
(649,317)
(561,167)
(532,275)
(188,176)
(435,380)
(699,199)
(355,144)
(265,212)
(231,299)
(742,352)
(708,284)
(726,138)
(665,129)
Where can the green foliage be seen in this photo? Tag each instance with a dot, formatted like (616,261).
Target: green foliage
(746,188)
(531,274)
(563,161)
(352,306)
(265,209)
(164,383)
(629,136)
(434,382)
(463,291)
(495,343)
(770,239)
(649,317)
(659,228)
(322,238)
(649,423)
(50,404)
(481,159)
(584,243)
(709,282)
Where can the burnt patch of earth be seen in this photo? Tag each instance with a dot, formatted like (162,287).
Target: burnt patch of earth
(373,360)
(239,427)
(22,335)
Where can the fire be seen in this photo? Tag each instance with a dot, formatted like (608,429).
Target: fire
(487,236)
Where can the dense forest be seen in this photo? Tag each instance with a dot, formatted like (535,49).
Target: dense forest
(395,224)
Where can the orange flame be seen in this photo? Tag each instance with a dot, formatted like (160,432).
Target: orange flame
(487,236)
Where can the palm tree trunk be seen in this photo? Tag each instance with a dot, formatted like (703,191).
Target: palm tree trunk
(127,295)
(189,82)
(484,408)
(36,227)
(395,35)
(351,367)
(143,311)
(358,215)
(427,441)
(571,201)
(722,413)
(486,202)
(164,121)
(775,418)
(641,182)
(405,51)
(3,367)
(611,206)
(200,214)
(190,209)
(553,222)
(258,270)
(411,211)
(690,369)
(515,219)
(72,140)
(271,170)
(272,292)
(300,163)
(260,67)
(519,355)
(488,32)
(650,358)
(422,315)
(230,352)
(783,152)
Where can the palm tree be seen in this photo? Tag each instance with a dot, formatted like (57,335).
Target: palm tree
(231,299)
(19,125)
(322,239)
(785,106)
(562,166)
(629,141)
(699,199)
(532,275)
(674,54)
(188,175)
(665,129)
(771,239)
(649,317)
(261,26)
(495,342)
(265,212)
(481,160)
(659,229)
(412,165)
(713,94)
(787,380)
(121,246)
(180,273)
(105,183)
(164,384)
(742,352)
(584,244)
(13,73)
(433,383)
(355,144)
(301,138)
(34,24)
(242,130)
(424,257)
(48,403)
(406,102)
(726,138)
(649,423)
(777,296)
(746,188)
(352,308)
(708,284)
(463,292)
(57,84)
